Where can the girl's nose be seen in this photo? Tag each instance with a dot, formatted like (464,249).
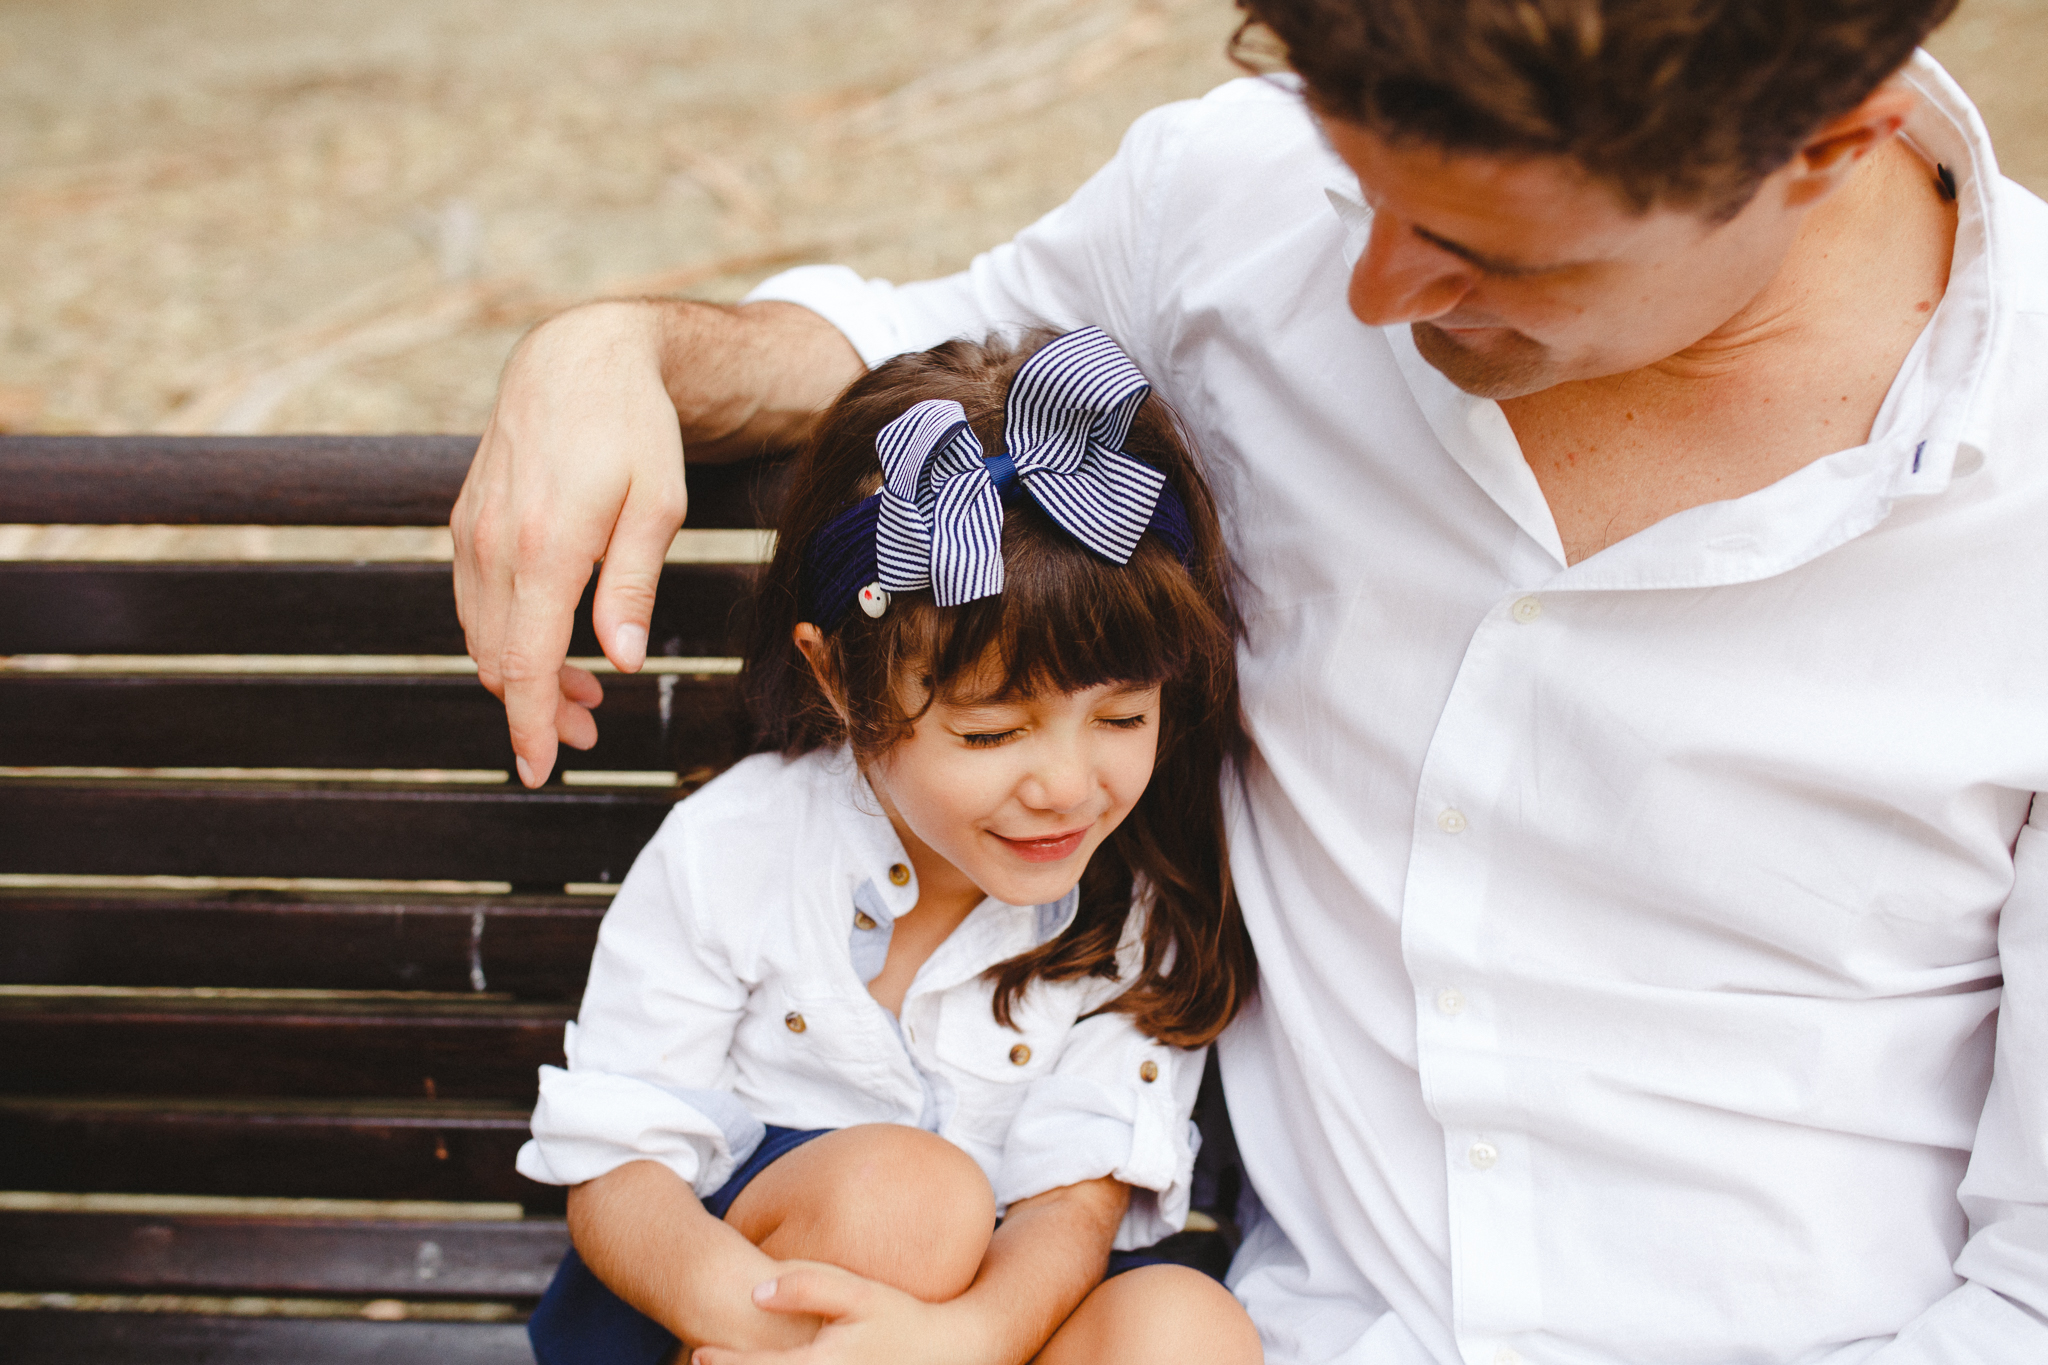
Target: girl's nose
(1401,278)
(1058,781)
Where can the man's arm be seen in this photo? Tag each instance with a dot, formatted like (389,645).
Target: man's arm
(582,460)
(2001,1312)
(642,1231)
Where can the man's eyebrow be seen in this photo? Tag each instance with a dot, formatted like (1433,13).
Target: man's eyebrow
(1493,265)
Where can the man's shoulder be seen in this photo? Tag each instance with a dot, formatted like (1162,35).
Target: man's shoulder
(1250,128)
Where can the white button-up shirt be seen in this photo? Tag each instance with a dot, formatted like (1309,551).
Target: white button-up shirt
(729,991)
(1654,950)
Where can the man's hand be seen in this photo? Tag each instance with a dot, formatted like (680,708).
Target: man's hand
(865,1323)
(582,460)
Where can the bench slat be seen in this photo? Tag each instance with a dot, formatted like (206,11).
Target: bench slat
(344,722)
(56,1338)
(361,1258)
(393,831)
(254,608)
(180,1045)
(305,1149)
(294,481)
(531,946)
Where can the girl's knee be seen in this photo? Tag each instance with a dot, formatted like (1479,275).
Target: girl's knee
(886,1201)
(1157,1315)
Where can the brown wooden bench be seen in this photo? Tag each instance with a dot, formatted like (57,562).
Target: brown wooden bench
(248,1043)
(181,1060)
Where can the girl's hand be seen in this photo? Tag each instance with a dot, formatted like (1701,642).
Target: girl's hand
(865,1323)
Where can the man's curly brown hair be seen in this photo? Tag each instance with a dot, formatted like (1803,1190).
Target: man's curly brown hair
(1689,103)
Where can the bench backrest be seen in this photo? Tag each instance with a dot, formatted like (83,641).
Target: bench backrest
(182,1011)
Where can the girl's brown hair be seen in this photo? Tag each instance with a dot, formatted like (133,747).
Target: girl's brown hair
(1065,621)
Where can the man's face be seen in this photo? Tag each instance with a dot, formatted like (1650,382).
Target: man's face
(1517,274)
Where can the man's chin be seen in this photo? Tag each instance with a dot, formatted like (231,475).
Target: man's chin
(1509,369)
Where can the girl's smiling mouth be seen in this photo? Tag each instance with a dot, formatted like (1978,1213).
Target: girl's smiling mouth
(1047,849)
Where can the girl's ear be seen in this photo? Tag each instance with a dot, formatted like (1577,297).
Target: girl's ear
(810,642)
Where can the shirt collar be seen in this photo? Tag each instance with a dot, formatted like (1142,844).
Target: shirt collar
(1926,432)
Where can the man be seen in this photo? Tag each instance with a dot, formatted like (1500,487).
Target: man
(1648,615)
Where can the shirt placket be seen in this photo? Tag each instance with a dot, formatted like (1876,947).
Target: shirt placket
(1461,1053)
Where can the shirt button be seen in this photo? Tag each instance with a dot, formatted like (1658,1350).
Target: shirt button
(1483,1155)
(1507,1355)
(899,874)
(861,920)
(1148,1072)
(1019,1055)
(1450,1001)
(1451,821)
(795,1022)
(1526,609)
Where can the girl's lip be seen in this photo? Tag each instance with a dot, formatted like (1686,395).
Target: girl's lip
(1049,849)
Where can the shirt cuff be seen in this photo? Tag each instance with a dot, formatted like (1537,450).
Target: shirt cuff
(589,1123)
(1075,1128)
(861,309)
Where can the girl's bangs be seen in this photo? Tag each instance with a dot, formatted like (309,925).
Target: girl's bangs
(1067,621)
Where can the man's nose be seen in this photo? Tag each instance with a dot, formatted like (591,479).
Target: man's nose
(1401,278)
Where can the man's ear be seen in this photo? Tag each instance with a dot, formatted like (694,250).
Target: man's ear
(1824,163)
(810,642)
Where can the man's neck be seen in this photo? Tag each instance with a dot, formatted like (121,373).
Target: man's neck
(1799,374)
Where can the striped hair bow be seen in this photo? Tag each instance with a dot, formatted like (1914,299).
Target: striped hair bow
(1069,411)
(938,521)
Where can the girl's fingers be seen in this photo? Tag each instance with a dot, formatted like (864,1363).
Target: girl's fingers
(719,1355)
(821,1291)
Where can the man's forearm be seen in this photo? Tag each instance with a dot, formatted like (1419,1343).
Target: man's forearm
(747,377)
(642,1231)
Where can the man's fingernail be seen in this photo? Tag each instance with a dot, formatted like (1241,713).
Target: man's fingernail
(629,644)
(764,1292)
(525,771)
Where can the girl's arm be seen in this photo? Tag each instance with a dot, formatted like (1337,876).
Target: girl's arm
(642,1231)
(1049,1253)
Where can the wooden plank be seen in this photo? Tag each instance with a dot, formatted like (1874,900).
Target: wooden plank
(56,1338)
(530,946)
(454,1048)
(295,481)
(667,723)
(62,608)
(354,1257)
(393,830)
(304,1149)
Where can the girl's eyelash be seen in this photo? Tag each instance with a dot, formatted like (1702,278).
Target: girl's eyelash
(1125,722)
(986,741)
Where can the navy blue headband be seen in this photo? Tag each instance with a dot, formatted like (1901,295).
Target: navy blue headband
(938,520)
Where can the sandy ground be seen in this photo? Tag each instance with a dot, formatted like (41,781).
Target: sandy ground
(269,215)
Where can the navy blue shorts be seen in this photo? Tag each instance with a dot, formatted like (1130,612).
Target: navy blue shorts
(581,1322)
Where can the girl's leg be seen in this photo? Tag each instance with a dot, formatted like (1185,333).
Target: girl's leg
(1156,1315)
(891,1203)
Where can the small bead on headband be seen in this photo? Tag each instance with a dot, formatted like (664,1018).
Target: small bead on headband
(938,521)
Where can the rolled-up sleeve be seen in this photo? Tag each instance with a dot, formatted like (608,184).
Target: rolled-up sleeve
(2001,1311)
(647,1056)
(1117,1104)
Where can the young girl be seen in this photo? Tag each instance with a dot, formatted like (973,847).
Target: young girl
(891,1034)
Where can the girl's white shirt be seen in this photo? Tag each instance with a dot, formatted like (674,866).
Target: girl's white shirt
(729,991)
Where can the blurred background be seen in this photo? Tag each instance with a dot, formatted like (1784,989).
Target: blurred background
(277,215)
